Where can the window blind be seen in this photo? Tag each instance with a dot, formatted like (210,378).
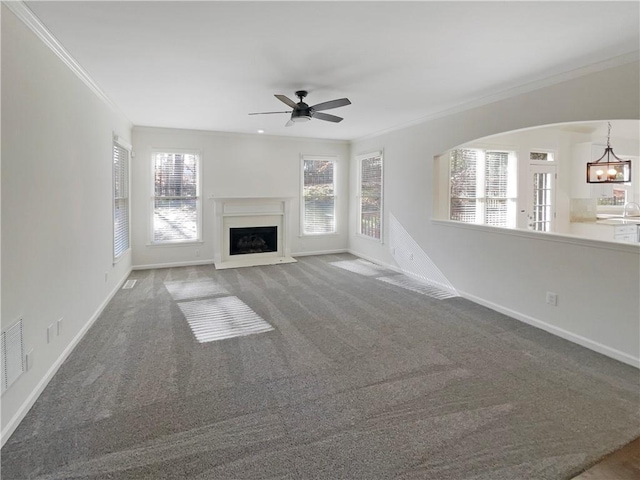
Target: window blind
(463,185)
(176,205)
(495,188)
(482,187)
(371,196)
(120,200)
(318,196)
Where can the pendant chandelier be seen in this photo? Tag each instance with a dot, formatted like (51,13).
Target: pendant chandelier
(607,169)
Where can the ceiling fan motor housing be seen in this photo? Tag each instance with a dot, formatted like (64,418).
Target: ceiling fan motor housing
(302,113)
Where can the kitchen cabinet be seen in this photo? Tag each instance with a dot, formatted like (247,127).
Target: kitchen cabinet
(609,232)
(626,233)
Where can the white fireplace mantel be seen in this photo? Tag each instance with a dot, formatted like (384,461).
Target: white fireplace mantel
(233,212)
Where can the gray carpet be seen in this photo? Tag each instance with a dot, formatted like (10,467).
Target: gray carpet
(358,379)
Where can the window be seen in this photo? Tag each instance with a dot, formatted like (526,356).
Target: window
(176,200)
(120,200)
(318,195)
(483,187)
(370,194)
(541,157)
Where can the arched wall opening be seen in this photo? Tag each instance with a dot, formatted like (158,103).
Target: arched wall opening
(535,179)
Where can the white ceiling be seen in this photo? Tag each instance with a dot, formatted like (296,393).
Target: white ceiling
(206,65)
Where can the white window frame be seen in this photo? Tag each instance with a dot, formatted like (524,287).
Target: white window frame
(127,147)
(512,185)
(198,198)
(361,158)
(552,153)
(330,158)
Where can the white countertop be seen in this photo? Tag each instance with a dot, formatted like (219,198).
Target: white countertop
(619,221)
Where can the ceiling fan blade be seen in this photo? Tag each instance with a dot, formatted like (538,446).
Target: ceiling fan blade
(327,117)
(289,124)
(287,100)
(340,102)
(267,113)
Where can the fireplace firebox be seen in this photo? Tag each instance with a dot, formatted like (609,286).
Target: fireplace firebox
(249,240)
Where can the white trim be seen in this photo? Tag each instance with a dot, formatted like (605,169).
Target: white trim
(359,159)
(618,61)
(395,268)
(238,135)
(319,252)
(127,147)
(42,384)
(199,195)
(24,13)
(559,332)
(323,158)
(173,264)
(122,142)
(184,243)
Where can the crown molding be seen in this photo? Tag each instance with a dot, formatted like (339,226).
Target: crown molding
(24,13)
(613,62)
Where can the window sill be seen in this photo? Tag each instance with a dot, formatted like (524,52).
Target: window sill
(117,259)
(193,243)
(372,239)
(312,235)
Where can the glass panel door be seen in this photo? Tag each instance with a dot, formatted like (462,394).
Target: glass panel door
(542,204)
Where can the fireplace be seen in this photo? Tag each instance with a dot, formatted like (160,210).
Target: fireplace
(251,232)
(247,240)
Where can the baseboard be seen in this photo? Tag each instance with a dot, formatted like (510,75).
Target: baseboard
(559,332)
(31,399)
(172,265)
(321,252)
(395,268)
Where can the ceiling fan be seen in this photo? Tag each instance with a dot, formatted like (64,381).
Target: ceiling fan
(303,113)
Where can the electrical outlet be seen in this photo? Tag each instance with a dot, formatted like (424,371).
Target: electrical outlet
(50,333)
(106,277)
(59,326)
(552,298)
(197,253)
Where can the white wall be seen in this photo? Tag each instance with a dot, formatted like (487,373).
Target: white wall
(496,267)
(57,240)
(233,165)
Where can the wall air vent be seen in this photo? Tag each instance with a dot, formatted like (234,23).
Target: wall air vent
(12,354)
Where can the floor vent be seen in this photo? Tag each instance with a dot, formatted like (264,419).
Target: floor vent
(362,267)
(220,318)
(129,284)
(12,355)
(408,283)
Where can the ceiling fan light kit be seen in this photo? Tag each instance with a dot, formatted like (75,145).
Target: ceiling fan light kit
(303,113)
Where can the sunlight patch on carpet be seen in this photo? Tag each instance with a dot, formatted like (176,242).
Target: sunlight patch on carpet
(198,289)
(362,267)
(221,318)
(408,283)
